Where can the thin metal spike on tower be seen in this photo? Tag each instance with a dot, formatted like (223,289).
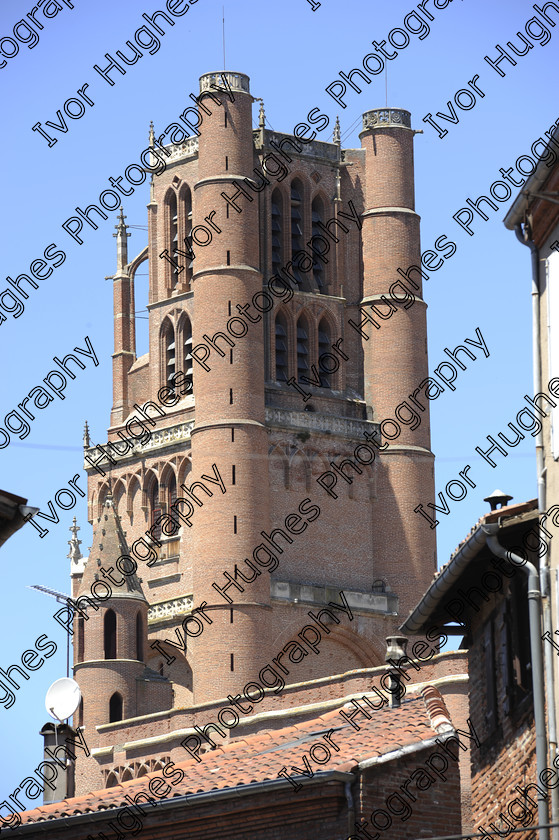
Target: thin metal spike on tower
(223,12)
(151,145)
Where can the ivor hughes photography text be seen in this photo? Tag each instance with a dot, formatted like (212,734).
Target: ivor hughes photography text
(280,421)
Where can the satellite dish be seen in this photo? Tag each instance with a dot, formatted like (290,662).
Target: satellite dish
(63,698)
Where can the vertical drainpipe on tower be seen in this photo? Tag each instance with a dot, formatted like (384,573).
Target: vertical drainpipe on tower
(524,237)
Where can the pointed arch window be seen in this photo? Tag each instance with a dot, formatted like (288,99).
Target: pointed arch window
(115,708)
(318,265)
(281,346)
(324,347)
(139,637)
(296,226)
(302,349)
(277,231)
(109,634)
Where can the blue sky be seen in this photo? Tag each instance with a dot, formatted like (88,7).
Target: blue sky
(291,54)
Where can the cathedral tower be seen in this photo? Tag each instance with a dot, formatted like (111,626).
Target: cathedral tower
(263,248)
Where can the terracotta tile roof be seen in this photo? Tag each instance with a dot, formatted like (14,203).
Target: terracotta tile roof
(261,756)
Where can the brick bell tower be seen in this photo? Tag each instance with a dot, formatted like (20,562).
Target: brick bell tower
(395,356)
(267,307)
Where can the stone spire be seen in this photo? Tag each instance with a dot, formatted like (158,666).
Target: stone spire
(121,241)
(337,136)
(109,544)
(86,440)
(77,560)
(261,116)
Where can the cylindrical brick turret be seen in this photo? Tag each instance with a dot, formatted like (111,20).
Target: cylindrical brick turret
(395,356)
(110,629)
(229,399)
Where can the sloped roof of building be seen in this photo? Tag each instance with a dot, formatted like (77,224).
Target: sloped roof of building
(428,611)
(13,510)
(246,764)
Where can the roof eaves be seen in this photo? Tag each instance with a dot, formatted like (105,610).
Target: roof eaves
(515,214)
(191,799)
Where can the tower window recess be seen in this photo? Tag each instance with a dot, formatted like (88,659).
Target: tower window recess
(188,364)
(281,350)
(173,230)
(109,634)
(171,491)
(115,708)
(234,524)
(188,227)
(323,347)
(233,472)
(276,232)
(296,227)
(170,356)
(302,350)
(139,637)
(232,661)
(81,648)
(155,510)
(318,265)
